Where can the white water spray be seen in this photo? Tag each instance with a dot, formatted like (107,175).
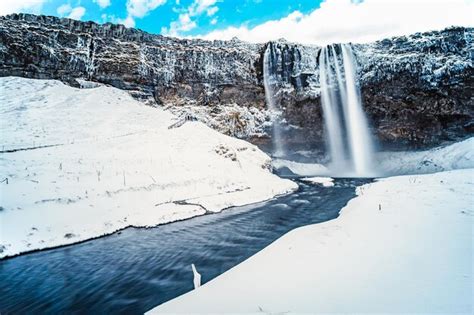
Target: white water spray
(268,81)
(349,139)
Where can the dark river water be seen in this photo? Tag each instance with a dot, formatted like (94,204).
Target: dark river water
(135,270)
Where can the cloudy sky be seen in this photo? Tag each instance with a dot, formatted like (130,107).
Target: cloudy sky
(307,21)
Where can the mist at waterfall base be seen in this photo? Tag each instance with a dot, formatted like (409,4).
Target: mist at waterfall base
(349,144)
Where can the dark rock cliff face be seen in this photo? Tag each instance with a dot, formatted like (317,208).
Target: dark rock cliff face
(169,69)
(420,88)
(417,90)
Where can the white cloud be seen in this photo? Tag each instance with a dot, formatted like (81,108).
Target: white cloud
(212,10)
(64,9)
(17,6)
(356,21)
(199,6)
(214,21)
(138,9)
(77,13)
(102,3)
(73,13)
(185,22)
(128,21)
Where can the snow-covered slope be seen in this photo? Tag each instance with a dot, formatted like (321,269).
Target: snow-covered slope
(459,155)
(404,245)
(80,163)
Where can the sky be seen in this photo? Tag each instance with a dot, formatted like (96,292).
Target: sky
(305,21)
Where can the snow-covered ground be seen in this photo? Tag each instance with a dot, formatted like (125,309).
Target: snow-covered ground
(404,245)
(81,163)
(459,155)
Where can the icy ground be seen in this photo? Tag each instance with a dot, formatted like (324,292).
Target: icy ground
(404,245)
(81,163)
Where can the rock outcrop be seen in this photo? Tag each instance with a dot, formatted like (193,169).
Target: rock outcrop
(417,90)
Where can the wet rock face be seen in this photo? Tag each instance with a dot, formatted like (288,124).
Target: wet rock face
(417,90)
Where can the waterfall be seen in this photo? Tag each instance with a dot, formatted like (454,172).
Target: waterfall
(331,116)
(349,140)
(268,82)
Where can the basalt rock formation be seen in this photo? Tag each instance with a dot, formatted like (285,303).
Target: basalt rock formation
(417,90)
(168,69)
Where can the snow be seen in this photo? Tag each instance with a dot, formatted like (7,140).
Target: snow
(459,155)
(299,168)
(229,119)
(404,245)
(433,57)
(325,181)
(82,163)
(196,277)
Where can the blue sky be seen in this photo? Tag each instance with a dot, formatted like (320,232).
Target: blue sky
(305,21)
(228,13)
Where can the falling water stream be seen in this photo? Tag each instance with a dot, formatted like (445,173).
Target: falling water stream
(349,140)
(268,82)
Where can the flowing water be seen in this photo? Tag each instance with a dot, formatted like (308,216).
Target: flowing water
(268,82)
(349,140)
(135,270)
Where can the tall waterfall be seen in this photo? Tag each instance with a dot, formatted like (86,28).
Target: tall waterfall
(349,140)
(268,82)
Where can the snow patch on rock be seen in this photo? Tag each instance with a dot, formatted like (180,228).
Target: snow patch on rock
(230,119)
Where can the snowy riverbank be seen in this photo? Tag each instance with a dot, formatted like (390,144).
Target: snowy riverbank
(404,245)
(81,163)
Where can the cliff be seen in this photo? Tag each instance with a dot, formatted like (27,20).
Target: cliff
(417,90)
